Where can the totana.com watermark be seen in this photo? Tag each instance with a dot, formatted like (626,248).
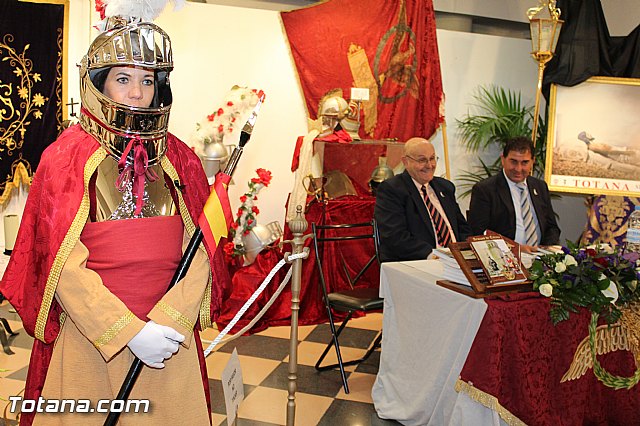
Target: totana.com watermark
(42,405)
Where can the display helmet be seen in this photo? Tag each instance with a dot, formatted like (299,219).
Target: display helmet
(331,110)
(127,42)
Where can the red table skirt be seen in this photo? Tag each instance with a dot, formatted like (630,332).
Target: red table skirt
(350,209)
(519,357)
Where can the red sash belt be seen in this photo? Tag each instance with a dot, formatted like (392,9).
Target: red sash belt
(136,258)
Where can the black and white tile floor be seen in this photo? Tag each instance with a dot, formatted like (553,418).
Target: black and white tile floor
(320,399)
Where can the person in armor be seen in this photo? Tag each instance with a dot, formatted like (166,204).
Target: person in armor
(111,208)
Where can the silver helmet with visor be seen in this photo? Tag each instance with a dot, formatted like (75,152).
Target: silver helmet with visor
(127,44)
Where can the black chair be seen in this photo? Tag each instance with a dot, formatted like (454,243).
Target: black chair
(351,300)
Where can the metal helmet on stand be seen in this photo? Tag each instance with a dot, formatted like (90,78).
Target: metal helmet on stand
(331,110)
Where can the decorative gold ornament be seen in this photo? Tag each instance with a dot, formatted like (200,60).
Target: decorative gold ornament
(18,112)
(604,339)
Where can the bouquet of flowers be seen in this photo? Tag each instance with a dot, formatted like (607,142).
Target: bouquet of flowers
(605,281)
(600,279)
(247,212)
(237,106)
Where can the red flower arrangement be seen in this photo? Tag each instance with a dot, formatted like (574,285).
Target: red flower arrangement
(246,215)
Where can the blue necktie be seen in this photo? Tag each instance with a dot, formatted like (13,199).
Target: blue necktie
(531,239)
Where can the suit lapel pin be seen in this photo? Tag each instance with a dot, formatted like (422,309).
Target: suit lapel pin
(441,194)
(535,191)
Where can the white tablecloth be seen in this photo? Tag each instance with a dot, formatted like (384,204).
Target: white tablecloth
(427,333)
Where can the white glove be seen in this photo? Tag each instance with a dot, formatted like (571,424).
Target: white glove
(155,343)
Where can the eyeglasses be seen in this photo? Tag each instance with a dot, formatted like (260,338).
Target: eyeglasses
(424,161)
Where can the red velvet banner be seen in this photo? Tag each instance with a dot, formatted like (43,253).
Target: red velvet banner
(389,47)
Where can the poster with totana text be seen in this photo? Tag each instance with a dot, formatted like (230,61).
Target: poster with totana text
(593,139)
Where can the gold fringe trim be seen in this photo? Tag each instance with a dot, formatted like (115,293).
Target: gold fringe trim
(69,241)
(114,330)
(20,174)
(488,401)
(175,315)
(205,306)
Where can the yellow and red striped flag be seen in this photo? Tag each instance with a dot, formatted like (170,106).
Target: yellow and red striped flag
(216,216)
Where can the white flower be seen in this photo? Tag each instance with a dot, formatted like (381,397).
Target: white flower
(560,267)
(570,260)
(611,292)
(607,248)
(546,290)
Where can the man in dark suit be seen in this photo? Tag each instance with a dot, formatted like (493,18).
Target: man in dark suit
(513,203)
(417,212)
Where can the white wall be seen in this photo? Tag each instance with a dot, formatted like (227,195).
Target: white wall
(244,47)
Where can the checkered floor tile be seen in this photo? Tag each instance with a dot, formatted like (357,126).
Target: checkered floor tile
(320,399)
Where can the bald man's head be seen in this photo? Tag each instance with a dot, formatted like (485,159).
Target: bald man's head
(419,159)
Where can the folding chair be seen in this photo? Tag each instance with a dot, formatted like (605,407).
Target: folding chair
(351,300)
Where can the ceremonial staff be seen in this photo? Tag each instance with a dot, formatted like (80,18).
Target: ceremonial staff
(187,257)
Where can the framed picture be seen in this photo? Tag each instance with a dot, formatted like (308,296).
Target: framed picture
(593,139)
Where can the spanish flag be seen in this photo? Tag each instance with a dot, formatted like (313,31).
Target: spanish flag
(216,216)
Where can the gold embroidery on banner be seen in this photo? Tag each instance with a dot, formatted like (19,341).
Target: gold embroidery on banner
(488,401)
(608,224)
(69,241)
(59,41)
(205,306)
(30,102)
(363,77)
(21,172)
(114,330)
(175,315)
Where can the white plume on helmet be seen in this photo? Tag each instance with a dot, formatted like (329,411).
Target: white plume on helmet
(142,10)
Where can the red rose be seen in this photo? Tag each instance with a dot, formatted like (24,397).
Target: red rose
(220,128)
(229,103)
(229,248)
(220,111)
(255,209)
(246,232)
(601,261)
(239,212)
(234,225)
(265,176)
(210,117)
(243,199)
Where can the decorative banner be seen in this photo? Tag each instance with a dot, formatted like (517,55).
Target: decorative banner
(387,46)
(31,94)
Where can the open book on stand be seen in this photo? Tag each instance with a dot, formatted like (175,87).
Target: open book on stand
(484,265)
(499,262)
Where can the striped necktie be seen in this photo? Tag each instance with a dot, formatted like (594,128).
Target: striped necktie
(442,230)
(531,239)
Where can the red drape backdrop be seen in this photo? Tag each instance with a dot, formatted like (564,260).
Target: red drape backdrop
(348,209)
(387,46)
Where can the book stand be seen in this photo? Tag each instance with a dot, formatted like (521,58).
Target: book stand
(480,285)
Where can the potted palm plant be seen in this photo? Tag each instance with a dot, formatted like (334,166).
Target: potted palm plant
(500,115)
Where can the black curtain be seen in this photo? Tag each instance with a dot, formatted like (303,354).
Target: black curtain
(586,49)
(31,40)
